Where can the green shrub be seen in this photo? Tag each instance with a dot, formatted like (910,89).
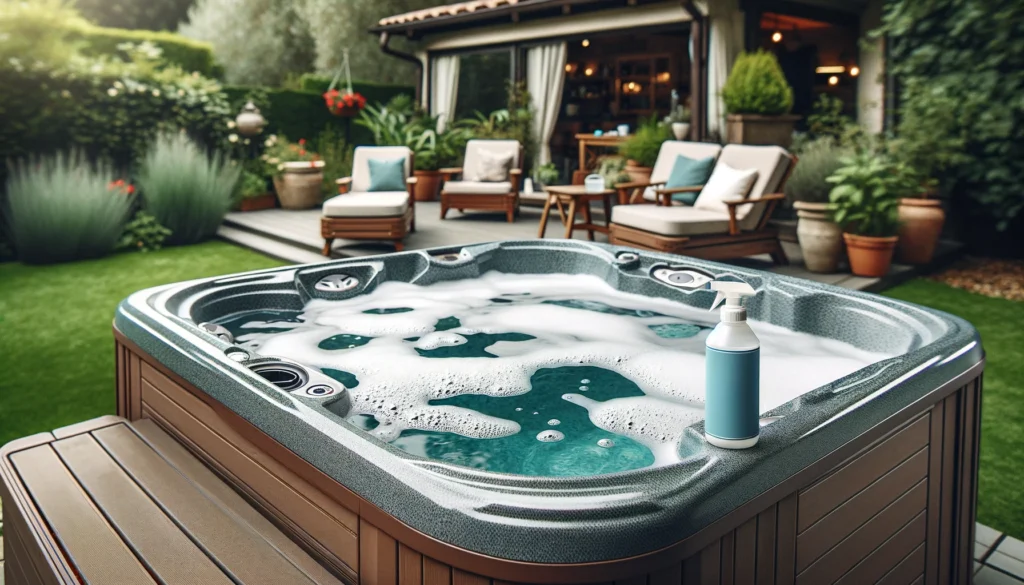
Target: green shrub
(819,159)
(644,145)
(143,234)
(189,54)
(337,157)
(827,119)
(36,32)
(135,14)
(61,208)
(866,194)
(186,190)
(757,85)
(613,169)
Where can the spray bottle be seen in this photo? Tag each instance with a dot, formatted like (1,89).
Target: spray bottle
(732,382)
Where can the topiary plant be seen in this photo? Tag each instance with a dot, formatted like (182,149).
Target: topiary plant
(757,85)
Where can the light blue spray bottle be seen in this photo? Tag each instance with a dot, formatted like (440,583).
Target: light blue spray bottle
(732,381)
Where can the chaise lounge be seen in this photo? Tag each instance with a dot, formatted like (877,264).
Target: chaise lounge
(376,202)
(656,190)
(727,220)
(490,178)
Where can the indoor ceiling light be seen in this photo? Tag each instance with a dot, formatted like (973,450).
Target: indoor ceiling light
(777,37)
(586,42)
(854,71)
(588,71)
(831,69)
(834,80)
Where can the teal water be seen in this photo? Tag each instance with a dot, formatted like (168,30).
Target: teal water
(556,437)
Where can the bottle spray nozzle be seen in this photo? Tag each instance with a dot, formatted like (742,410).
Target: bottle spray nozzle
(731,292)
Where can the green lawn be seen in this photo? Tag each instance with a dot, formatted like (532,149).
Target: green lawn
(1001,324)
(56,346)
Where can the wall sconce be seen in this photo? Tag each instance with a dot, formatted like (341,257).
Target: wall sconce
(586,42)
(854,71)
(834,80)
(663,77)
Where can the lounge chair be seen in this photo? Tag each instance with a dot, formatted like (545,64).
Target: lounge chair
(357,213)
(654,190)
(484,183)
(716,227)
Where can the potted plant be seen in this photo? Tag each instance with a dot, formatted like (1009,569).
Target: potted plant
(435,151)
(297,172)
(252,193)
(613,170)
(546,174)
(757,100)
(821,239)
(345,105)
(641,149)
(865,203)
(678,118)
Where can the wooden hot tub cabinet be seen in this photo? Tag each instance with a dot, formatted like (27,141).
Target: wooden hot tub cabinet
(895,506)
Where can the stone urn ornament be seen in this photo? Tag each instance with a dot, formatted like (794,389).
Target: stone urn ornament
(821,239)
(249,121)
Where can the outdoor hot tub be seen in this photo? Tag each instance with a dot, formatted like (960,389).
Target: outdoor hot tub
(532,411)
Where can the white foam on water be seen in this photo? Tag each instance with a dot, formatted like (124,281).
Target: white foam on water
(396,383)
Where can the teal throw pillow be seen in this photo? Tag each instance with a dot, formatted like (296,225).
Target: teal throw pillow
(687,172)
(387,174)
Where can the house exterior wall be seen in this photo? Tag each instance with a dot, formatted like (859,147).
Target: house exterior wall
(871,85)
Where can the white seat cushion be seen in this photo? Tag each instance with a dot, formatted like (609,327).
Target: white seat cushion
(376,204)
(772,164)
(480,153)
(671,221)
(725,184)
(540,197)
(478,187)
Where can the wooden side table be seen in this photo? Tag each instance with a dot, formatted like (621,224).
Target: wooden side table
(578,199)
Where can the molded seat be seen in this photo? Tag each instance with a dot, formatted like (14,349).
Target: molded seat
(378,204)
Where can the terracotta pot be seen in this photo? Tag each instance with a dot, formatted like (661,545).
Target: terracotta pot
(757,129)
(921,223)
(300,186)
(637,173)
(428,183)
(821,239)
(870,256)
(265,201)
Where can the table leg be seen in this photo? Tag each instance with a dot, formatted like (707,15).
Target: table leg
(561,210)
(588,219)
(572,219)
(606,201)
(544,217)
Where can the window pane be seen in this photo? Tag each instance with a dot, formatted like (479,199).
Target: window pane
(482,81)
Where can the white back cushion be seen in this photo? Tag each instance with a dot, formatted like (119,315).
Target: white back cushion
(472,166)
(673,148)
(771,162)
(725,183)
(361,168)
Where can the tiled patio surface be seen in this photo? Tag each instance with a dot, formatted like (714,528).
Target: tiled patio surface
(998,559)
(295,236)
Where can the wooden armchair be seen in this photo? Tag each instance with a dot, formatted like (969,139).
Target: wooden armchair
(471,193)
(653,191)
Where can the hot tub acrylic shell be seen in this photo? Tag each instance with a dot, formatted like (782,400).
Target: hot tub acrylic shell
(547,529)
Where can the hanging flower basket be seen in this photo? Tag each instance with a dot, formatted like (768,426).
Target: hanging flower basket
(345,105)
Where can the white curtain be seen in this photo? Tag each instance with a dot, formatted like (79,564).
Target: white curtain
(545,72)
(725,44)
(444,88)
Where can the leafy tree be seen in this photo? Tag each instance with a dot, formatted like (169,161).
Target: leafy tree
(144,14)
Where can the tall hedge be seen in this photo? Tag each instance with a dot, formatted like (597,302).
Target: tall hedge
(189,54)
(966,57)
(303,114)
(135,14)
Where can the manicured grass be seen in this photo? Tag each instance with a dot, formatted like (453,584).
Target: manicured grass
(56,345)
(1001,325)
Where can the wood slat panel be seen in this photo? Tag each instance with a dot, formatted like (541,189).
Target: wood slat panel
(672,575)
(243,554)
(460,577)
(166,551)
(968,470)
(887,556)
(948,469)
(636,580)
(865,539)
(851,514)
(94,548)
(214,488)
(909,569)
(766,538)
(17,555)
(785,556)
(436,573)
(410,566)
(745,559)
(728,559)
(378,556)
(326,521)
(931,576)
(40,555)
(851,478)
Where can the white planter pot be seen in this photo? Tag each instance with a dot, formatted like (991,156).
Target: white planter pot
(680,130)
(821,240)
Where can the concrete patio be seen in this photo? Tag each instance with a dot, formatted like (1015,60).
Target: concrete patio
(295,236)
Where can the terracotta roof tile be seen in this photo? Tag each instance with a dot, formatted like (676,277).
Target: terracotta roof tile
(448,10)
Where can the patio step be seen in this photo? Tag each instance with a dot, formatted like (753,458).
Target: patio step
(269,246)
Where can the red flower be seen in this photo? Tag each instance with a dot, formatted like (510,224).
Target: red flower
(130,189)
(302,152)
(302,142)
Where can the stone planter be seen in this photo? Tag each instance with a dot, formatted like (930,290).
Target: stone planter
(921,222)
(821,240)
(637,173)
(680,130)
(757,129)
(870,256)
(265,201)
(428,183)
(300,186)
